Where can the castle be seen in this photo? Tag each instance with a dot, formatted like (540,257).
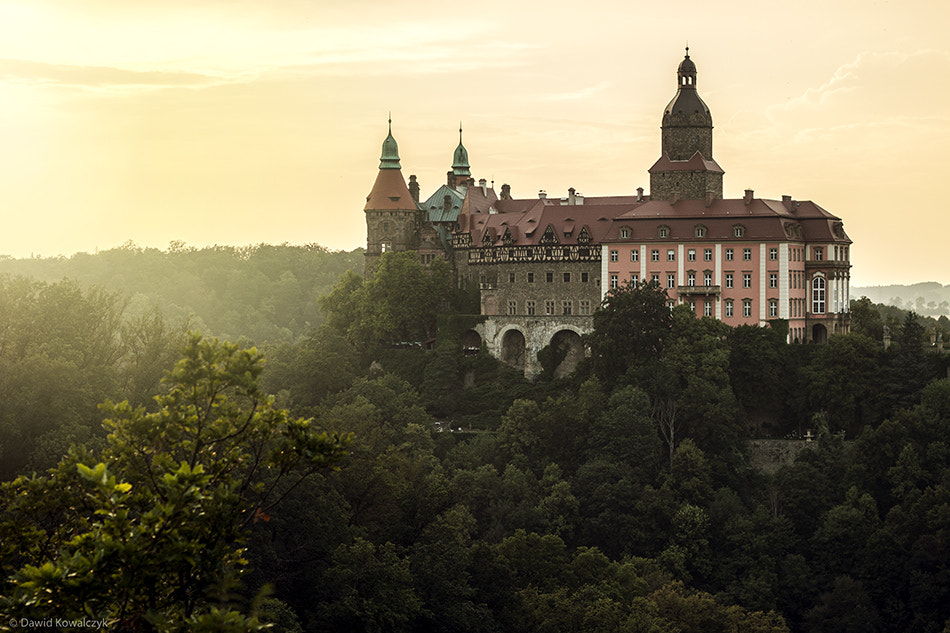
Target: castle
(543,265)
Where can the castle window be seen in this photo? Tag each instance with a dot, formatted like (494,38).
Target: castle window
(728,280)
(624,232)
(511,278)
(585,277)
(738,230)
(613,282)
(634,255)
(707,309)
(819,253)
(671,281)
(385,247)
(699,230)
(585,306)
(427,258)
(614,256)
(746,280)
(634,279)
(529,308)
(567,307)
(707,255)
(671,255)
(530,278)
(512,308)
(707,278)
(663,232)
(690,278)
(818,295)
(691,254)
(567,278)
(692,306)
(773,280)
(747,254)
(655,255)
(729,254)
(747,308)
(549,307)
(773,308)
(773,254)
(549,277)
(728,307)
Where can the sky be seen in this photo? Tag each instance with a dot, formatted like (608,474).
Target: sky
(252,121)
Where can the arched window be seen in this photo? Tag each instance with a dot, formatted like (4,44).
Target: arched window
(818,295)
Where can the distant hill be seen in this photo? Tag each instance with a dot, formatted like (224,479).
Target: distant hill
(261,293)
(927,298)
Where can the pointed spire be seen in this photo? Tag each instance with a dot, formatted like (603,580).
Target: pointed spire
(389,159)
(460,166)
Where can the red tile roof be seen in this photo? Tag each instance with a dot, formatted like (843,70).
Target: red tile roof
(389,192)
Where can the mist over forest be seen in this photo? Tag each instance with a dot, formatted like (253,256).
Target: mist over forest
(226,438)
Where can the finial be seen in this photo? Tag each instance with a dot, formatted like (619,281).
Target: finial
(687,49)
(391,121)
(460,131)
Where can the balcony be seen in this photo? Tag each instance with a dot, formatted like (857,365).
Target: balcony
(697,290)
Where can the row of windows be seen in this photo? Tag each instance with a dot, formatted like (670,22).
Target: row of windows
(550,307)
(691,255)
(699,230)
(550,276)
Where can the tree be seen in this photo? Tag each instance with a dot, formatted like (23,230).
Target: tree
(398,304)
(630,329)
(150,534)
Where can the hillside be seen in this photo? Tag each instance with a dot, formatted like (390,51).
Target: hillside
(928,298)
(261,293)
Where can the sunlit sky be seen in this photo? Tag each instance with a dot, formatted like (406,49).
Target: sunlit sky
(248,121)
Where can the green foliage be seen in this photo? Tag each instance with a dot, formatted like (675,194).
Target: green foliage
(151,534)
(399,304)
(630,329)
(262,293)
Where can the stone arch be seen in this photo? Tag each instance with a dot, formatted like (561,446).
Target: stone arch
(471,342)
(513,347)
(819,333)
(568,349)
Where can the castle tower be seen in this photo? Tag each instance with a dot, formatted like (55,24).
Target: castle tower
(393,217)
(461,170)
(686,169)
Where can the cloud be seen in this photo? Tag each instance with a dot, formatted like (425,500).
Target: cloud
(26,71)
(874,88)
(578,93)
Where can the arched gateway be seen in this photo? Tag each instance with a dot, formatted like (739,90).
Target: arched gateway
(517,340)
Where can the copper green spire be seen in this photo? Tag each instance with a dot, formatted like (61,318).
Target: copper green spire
(460,166)
(389,159)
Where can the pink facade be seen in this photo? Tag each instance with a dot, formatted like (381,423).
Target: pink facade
(743,261)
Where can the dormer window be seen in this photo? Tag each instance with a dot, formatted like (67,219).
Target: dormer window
(738,230)
(625,232)
(663,232)
(699,230)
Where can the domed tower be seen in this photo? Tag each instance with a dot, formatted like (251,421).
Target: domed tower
(393,218)
(686,168)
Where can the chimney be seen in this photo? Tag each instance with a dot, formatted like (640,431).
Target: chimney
(710,196)
(639,194)
(506,192)
(747,198)
(789,204)
(484,185)
(570,196)
(450,178)
(447,203)
(413,188)
(578,198)
(542,194)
